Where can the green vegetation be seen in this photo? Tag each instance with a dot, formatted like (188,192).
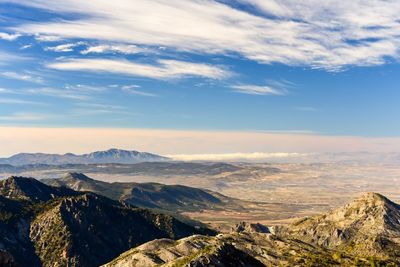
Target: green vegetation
(186,260)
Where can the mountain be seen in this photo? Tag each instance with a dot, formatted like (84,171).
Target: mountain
(20,188)
(42,225)
(109,156)
(365,232)
(369,224)
(175,198)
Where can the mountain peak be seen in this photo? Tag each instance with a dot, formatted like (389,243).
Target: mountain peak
(77,176)
(373,198)
(112,155)
(17,187)
(367,224)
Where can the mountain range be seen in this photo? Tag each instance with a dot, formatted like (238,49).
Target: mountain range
(109,156)
(365,232)
(174,198)
(42,225)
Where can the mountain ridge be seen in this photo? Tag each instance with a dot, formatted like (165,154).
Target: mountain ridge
(174,198)
(303,243)
(112,155)
(50,226)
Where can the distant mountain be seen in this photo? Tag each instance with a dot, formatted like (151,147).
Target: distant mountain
(109,156)
(174,198)
(42,225)
(365,232)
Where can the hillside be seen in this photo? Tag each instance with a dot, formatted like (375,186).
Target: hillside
(98,157)
(149,195)
(364,232)
(40,228)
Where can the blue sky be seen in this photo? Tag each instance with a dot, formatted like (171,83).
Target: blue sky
(245,65)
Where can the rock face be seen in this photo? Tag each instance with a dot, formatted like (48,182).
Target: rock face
(108,156)
(47,228)
(173,198)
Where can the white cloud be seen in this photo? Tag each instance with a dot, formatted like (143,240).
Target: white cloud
(25,46)
(321,34)
(133,89)
(22,77)
(257,89)
(234,156)
(47,38)
(164,69)
(117,48)
(9,37)
(62,48)
(59,93)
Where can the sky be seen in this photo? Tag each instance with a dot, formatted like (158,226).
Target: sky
(327,70)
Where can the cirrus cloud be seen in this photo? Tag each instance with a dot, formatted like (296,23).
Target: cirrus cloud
(163,69)
(318,34)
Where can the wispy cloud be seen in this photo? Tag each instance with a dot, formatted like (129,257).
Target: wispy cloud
(25,46)
(133,89)
(23,117)
(58,92)
(62,47)
(115,48)
(47,38)
(163,69)
(9,37)
(7,57)
(257,89)
(15,101)
(26,77)
(318,34)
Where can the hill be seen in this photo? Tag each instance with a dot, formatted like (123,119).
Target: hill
(42,227)
(175,198)
(108,156)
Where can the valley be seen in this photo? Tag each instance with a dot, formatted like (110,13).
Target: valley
(271,193)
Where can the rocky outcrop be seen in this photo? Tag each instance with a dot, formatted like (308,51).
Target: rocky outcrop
(196,251)
(369,225)
(251,228)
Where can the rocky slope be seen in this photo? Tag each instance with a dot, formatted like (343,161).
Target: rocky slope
(195,250)
(39,226)
(365,232)
(370,224)
(174,198)
(108,156)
